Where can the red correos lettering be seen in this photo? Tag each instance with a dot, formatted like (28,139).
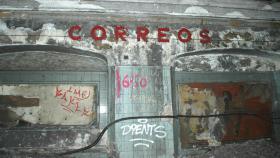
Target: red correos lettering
(142,33)
(94,30)
(204,34)
(120,33)
(98,33)
(184,40)
(162,37)
(71,30)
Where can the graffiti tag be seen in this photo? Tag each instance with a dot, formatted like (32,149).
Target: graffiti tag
(135,81)
(143,128)
(72,99)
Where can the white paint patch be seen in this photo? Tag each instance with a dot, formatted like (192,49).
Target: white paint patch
(81,141)
(213,62)
(78,140)
(62,143)
(86,138)
(175,13)
(103,109)
(167,110)
(17,35)
(50,32)
(52,145)
(66,5)
(267,7)
(30,114)
(235,14)
(105,139)
(195,10)
(189,2)
(3,26)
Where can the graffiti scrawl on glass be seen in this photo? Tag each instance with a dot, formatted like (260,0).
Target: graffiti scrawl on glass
(72,99)
(135,81)
(143,132)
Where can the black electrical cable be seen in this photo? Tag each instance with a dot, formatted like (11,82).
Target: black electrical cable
(154,117)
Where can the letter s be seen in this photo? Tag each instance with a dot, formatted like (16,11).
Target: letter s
(160,133)
(204,34)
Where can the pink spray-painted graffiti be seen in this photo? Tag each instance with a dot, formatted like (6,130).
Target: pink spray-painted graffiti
(130,81)
(72,99)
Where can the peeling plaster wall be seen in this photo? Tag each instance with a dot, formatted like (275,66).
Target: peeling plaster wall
(131,52)
(225,63)
(229,28)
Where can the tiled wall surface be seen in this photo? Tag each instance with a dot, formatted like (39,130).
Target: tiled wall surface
(143,137)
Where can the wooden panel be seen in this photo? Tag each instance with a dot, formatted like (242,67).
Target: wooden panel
(18,101)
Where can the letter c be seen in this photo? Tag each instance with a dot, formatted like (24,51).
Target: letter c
(71,31)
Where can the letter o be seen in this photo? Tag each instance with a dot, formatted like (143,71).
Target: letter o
(184,40)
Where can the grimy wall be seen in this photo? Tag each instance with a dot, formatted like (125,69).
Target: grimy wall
(147,44)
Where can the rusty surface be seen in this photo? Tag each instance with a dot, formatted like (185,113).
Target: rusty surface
(18,101)
(215,98)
